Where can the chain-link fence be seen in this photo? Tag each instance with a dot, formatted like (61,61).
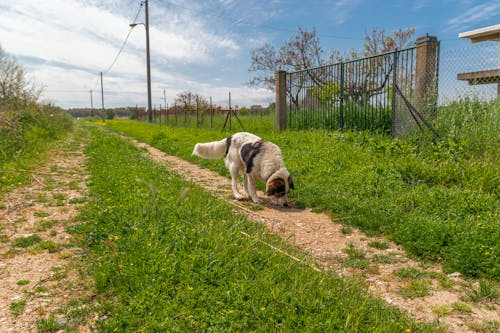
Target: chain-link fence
(397,92)
(468,71)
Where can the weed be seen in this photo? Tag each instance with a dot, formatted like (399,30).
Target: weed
(445,282)
(40,214)
(489,326)
(484,290)
(415,288)
(22,282)
(385,259)
(379,245)
(4,238)
(50,246)
(345,230)
(73,185)
(40,289)
(44,225)
(442,310)
(354,253)
(409,273)
(48,324)
(461,307)
(27,241)
(17,308)
(78,200)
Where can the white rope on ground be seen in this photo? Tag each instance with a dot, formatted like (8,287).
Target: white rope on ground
(283,252)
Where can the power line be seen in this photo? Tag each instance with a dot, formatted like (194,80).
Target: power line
(124,42)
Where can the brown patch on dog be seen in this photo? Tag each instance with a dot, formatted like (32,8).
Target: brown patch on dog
(276,187)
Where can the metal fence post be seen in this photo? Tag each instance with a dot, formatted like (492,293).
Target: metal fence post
(342,95)
(426,75)
(394,107)
(280,120)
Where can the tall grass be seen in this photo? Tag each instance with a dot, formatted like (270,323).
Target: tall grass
(168,257)
(24,135)
(437,197)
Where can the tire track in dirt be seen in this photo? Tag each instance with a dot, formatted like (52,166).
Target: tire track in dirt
(40,276)
(349,254)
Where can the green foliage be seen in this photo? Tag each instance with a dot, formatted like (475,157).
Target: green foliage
(27,241)
(379,245)
(409,273)
(484,290)
(24,135)
(169,257)
(17,307)
(415,288)
(354,116)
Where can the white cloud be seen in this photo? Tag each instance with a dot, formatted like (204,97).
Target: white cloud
(66,43)
(474,15)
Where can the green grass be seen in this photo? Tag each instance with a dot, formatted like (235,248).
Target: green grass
(25,137)
(22,282)
(414,289)
(17,308)
(169,257)
(27,241)
(248,123)
(379,245)
(437,197)
(485,290)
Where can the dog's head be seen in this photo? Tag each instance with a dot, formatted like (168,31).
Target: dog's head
(279,184)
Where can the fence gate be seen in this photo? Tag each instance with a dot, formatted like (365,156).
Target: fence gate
(392,92)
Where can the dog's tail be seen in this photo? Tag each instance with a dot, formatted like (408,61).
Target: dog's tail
(214,149)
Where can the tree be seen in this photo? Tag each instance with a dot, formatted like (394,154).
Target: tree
(300,52)
(191,101)
(303,51)
(16,90)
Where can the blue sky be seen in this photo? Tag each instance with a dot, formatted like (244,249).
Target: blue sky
(201,46)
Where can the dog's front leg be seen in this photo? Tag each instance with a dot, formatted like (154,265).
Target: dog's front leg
(246,185)
(233,170)
(252,190)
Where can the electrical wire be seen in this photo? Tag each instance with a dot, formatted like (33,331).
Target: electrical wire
(124,42)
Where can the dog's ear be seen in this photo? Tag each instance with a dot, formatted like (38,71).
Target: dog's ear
(290,182)
(275,186)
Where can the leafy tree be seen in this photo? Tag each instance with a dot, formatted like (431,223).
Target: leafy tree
(16,89)
(303,51)
(191,101)
(300,52)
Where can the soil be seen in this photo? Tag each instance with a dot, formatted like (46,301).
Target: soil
(50,280)
(38,280)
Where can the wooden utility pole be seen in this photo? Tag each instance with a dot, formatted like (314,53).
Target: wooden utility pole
(91,104)
(102,95)
(148,63)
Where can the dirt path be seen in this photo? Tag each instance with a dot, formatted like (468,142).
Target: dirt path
(425,292)
(40,286)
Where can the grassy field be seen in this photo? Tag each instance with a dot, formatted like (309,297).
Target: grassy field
(437,197)
(169,257)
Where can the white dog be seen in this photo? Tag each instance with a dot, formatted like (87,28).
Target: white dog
(257,159)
